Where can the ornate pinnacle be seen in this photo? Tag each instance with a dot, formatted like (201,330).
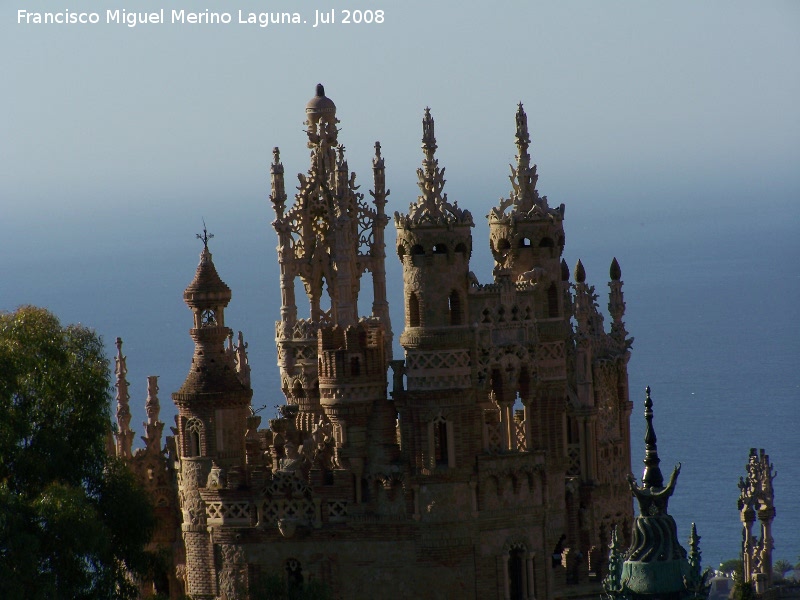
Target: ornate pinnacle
(652,476)
(696,580)
(523,138)
(428,137)
(580,272)
(564,270)
(694,547)
(616,303)
(615,272)
(379,178)
(613,580)
(428,144)
(152,406)
(124,434)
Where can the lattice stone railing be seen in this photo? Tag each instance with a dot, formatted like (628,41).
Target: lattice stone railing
(300,509)
(438,369)
(573,460)
(337,510)
(494,437)
(519,430)
(228,513)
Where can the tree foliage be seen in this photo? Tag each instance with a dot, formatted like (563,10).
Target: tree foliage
(73,521)
(782,567)
(732,566)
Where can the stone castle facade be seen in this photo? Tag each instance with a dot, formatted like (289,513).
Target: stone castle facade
(495,464)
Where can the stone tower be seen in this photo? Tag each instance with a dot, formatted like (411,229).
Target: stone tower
(213,406)
(438,410)
(333,364)
(655,565)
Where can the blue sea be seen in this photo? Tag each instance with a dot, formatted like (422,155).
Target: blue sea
(713,302)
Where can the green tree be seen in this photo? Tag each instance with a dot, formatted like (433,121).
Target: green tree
(73,521)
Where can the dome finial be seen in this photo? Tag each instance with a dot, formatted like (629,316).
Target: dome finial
(320,107)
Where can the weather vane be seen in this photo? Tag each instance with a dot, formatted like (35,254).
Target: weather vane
(206,236)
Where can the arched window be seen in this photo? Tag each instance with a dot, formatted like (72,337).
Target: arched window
(516,574)
(461,249)
(193,429)
(454,307)
(552,301)
(413,310)
(355,366)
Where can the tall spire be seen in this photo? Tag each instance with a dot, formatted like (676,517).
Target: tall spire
(432,207)
(652,477)
(524,198)
(124,434)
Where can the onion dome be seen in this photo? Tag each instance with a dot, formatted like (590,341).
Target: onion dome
(320,107)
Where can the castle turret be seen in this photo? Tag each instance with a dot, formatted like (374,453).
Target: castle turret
(434,243)
(439,415)
(213,406)
(526,236)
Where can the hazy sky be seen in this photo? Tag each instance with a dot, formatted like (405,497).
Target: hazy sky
(627,100)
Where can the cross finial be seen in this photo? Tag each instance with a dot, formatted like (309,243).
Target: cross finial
(206,236)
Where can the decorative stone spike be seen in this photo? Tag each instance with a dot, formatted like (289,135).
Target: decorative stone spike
(615,272)
(242,362)
(564,270)
(580,272)
(124,435)
(432,207)
(278,195)
(616,557)
(153,427)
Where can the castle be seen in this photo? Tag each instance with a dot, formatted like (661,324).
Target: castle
(494,467)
